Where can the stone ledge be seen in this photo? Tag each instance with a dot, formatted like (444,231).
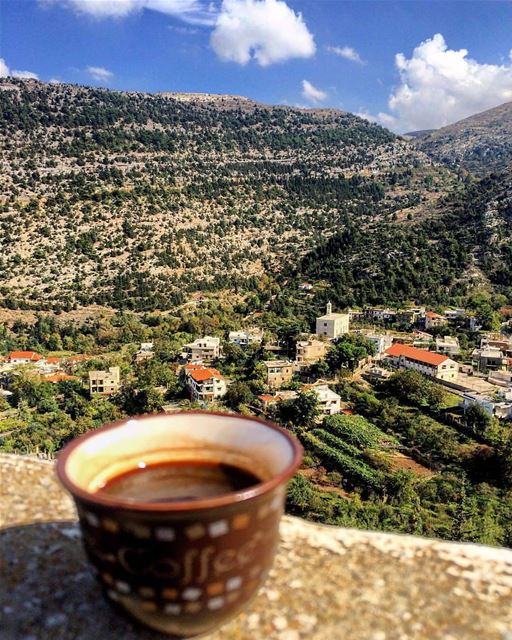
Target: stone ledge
(327,584)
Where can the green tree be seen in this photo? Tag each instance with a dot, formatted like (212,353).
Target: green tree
(238,394)
(299,412)
(477,419)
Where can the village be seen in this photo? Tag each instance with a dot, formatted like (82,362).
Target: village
(481,377)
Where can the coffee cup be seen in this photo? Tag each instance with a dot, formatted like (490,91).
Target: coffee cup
(183,567)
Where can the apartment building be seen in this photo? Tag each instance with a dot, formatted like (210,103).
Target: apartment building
(105,383)
(207,348)
(429,363)
(205,384)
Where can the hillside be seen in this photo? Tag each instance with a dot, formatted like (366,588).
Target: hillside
(481,144)
(136,200)
(465,244)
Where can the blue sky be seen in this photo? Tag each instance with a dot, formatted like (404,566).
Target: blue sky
(456,55)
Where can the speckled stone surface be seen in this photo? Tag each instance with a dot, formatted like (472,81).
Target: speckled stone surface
(328,583)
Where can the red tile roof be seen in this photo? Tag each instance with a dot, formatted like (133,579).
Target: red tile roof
(266,397)
(201,375)
(59,377)
(412,353)
(27,355)
(433,314)
(52,360)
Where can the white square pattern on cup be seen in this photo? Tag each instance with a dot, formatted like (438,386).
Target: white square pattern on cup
(219,528)
(234,583)
(173,609)
(215,603)
(191,594)
(166,534)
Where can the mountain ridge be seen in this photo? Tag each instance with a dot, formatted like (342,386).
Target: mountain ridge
(480,143)
(141,200)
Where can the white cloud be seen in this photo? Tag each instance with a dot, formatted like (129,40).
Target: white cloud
(267,31)
(4,69)
(100,74)
(193,11)
(439,86)
(311,93)
(347,52)
(15,73)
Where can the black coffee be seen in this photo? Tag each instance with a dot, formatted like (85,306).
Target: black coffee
(180,480)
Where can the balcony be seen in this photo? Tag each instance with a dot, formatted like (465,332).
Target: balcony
(328,583)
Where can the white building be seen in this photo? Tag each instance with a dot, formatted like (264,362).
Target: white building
(244,338)
(433,365)
(482,401)
(501,410)
(448,345)
(205,384)
(332,324)
(378,314)
(454,314)
(24,357)
(207,348)
(329,402)
(380,341)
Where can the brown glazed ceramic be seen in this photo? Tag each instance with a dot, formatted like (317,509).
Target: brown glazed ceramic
(181,567)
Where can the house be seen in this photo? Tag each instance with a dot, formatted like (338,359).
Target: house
(452,315)
(207,348)
(486,403)
(24,357)
(380,341)
(433,320)
(501,410)
(204,384)
(428,363)
(145,352)
(311,350)
(356,315)
(448,345)
(279,372)
(378,314)
(489,359)
(305,286)
(498,340)
(244,338)
(268,400)
(410,315)
(329,402)
(59,377)
(105,383)
(71,363)
(500,378)
(332,324)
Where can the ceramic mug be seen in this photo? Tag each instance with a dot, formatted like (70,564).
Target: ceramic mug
(182,567)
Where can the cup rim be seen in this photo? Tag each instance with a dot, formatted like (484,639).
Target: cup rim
(224,499)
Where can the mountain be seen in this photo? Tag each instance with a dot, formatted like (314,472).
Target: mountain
(481,144)
(418,134)
(463,246)
(138,200)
